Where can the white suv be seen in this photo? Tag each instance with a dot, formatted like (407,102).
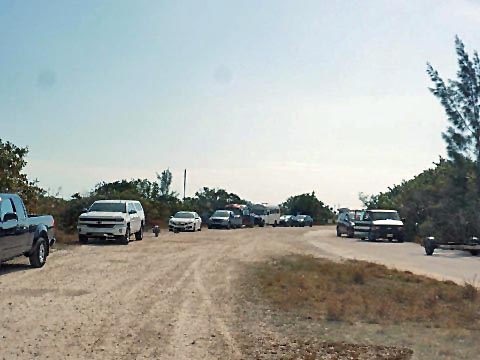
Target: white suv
(112,219)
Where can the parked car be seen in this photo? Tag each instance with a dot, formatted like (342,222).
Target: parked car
(286,220)
(242,211)
(185,221)
(225,219)
(112,220)
(24,234)
(303,220)
(379,224)
(346,223)
(258,220)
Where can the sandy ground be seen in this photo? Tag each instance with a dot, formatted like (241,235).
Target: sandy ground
(168,297)
(171,297)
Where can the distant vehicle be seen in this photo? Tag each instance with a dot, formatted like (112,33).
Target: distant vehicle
(303,220)
(225,219)
(24,234)
(472,245)
(185,221)
(242,211)
(379,224)
(286,220)
(269,213)
(258,220)
(112,219)
(346,222)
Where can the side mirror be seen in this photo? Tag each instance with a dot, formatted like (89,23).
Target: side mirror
(131,212)
(10,217)
(403,220)
(84,210)
(171,217)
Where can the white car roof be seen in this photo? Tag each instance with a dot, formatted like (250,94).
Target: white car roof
(384,211)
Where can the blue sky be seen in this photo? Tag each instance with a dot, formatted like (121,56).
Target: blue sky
(264,98)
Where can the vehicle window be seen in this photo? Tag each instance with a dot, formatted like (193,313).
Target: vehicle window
(19,208)
(138,206)
(184,215)
(221,213)
(6,207)
(387,215)
(108,207)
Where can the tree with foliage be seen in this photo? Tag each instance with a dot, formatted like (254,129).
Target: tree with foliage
(12,178)
(165,180)
(460,100)
(308,204)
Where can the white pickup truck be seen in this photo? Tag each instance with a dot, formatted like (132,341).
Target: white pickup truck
(112,219)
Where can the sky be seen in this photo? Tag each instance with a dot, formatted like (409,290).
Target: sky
(266,99)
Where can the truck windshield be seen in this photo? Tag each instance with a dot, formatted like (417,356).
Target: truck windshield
(390,215)
(109,207)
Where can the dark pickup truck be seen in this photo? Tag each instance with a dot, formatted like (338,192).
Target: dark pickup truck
(23,234)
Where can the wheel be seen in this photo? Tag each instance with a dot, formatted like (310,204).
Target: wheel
(83,239)
(39,253)
(275,223)
(474,252)
(124,240)
(194,228)
(209,226)
(339,234)
(200,228)
(429,250)
(371,237)
(229,226)
(311,225)
(139,234)
(400,240)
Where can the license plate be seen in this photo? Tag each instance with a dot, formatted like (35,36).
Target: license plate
(389,235)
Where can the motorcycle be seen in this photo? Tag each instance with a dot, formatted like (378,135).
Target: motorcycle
(156,230)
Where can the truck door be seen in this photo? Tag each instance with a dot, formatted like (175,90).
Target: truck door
(10,243)
(26,227)
(135,222)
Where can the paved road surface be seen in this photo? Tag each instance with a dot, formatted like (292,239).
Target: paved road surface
(457,266)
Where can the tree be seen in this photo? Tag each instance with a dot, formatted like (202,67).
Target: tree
(308,204)
(12,178)
(460,100)
(165,180)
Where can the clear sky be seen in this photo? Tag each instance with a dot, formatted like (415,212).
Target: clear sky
(264,98)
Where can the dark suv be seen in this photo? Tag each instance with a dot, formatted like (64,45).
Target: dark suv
(345,224)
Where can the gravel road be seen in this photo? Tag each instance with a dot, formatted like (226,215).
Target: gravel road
(171,297)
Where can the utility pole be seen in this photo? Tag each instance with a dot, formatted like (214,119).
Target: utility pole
(184,184)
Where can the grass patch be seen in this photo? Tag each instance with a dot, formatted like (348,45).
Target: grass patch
(65,238)
(357,291)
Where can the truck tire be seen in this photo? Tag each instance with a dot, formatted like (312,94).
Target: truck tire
(124,240)
(139,234)
(339,234)
(371,237)
(474,252)
(83,239)
(38,257)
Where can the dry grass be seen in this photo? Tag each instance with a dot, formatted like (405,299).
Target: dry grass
(355,291)
(65,238)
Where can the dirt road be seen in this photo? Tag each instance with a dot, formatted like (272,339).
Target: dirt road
(170,297)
